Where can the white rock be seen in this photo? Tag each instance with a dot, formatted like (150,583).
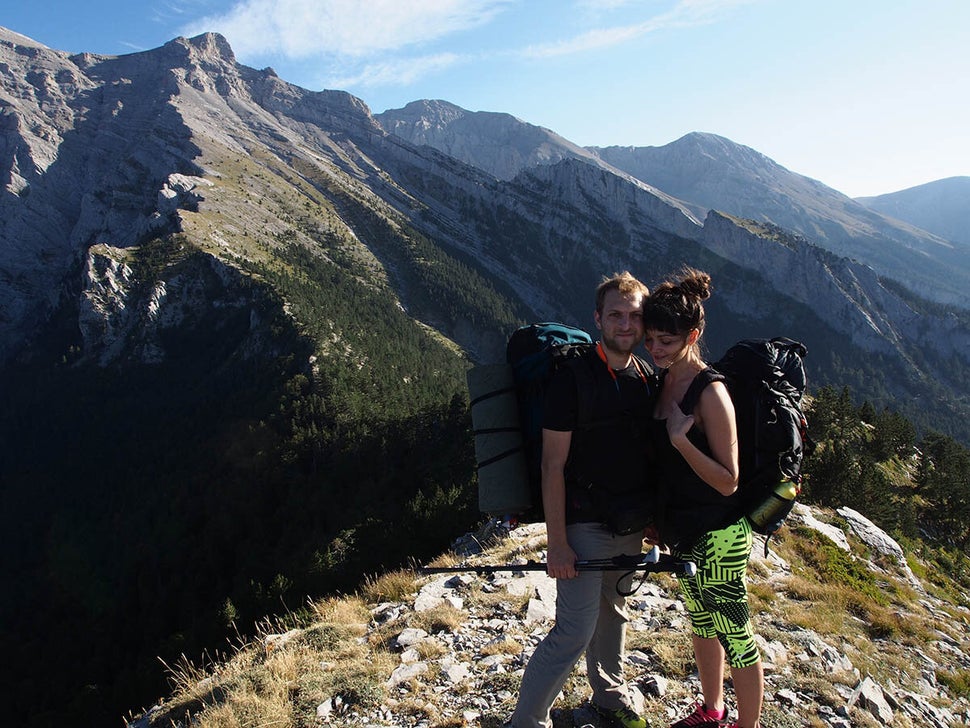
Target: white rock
(404,673)
(869,696)
(410,636)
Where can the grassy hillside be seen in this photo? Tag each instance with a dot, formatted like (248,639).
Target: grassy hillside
(278,449)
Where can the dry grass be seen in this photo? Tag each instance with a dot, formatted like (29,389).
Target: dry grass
(447,560)
(671,648)
(428,650)
(761,597)
(350,612)
(504,646)
(444,618)
(395,586)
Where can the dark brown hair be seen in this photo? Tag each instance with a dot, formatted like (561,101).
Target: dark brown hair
(676,307)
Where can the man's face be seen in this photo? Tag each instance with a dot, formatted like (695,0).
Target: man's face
(621,321)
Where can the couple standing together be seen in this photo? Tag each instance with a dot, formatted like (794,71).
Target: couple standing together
(668,438)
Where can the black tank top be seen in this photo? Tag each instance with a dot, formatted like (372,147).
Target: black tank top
(688,506)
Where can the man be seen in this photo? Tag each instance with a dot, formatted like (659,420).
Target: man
(586,473)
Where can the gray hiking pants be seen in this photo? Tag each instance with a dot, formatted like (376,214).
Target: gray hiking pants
(589,616)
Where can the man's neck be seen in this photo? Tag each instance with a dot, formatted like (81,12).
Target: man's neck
(614,359)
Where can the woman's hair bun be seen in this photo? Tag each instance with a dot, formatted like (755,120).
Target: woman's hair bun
(695,283)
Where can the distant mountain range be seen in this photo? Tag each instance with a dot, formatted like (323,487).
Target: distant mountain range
(235,313)
(929,254)
(941,207)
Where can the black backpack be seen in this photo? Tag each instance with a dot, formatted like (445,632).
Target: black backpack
(766,380)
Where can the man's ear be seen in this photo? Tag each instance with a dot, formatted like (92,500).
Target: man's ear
(596,320)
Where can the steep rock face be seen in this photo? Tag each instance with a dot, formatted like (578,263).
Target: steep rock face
(843,292)
(39,88)
(555,228)
(90,145)
(941,207)
(110,151)
(146,316)
(715,173)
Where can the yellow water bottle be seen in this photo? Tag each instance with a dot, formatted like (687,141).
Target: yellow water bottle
(767,515)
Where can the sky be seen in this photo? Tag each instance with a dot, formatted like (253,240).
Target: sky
(866,96)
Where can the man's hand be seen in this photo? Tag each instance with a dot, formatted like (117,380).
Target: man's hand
(561,562)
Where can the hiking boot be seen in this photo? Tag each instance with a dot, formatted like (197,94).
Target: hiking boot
(703,718)
(622,717)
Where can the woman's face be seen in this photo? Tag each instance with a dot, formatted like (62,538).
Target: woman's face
(664,348)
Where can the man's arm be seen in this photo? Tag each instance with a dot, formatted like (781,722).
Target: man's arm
(561,559)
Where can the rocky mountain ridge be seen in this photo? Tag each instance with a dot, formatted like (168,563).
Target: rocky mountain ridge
(702,172)
(450,650)
(208,125)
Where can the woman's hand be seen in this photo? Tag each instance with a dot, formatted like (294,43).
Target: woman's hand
(678,424)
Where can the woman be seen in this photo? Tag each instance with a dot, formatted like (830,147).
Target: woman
(695,437)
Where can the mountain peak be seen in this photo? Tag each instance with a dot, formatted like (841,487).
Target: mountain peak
(722,148)
(207,45)
(444,111)
(499,143)
(939,207)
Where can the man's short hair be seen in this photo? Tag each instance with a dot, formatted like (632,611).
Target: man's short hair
(624,283)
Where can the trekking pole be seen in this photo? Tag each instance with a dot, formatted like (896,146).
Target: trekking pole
(650,562)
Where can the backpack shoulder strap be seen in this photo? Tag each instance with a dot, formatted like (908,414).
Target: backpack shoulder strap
(693,394)
(582,370)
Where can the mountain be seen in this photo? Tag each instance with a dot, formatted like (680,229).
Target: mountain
(497,143)
(503,144)
(704,172)
(235,319)
(941,207)
(718,174)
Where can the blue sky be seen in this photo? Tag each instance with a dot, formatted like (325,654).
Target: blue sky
(868,96)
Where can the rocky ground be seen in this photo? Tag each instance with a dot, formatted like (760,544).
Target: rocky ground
(451,651)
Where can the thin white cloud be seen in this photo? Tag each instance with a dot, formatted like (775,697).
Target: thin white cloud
(307,28)
(395,71)
(590,40)
(685,13)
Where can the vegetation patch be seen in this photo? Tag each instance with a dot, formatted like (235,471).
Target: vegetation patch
(828,564)
(958,681)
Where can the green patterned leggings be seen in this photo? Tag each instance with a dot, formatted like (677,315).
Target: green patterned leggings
(716,597)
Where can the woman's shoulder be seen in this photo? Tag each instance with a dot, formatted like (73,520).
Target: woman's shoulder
(700,382)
